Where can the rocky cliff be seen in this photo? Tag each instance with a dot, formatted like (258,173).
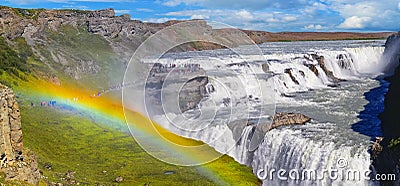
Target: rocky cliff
(17,163)
(387,159)
(390,126)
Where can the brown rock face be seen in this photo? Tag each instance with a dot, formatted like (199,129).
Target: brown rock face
(281,119)
(16,162)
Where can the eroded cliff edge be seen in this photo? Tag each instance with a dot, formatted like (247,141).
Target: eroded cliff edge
(17,163)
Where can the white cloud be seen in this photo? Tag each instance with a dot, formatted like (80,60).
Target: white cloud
(297,14)
(361,9)
(314,27)
(310,27)
(172,3)
(355,22)
(178,2)
(289,18)
(318,27)
(77,7)
(368,14)
(198,16)
(244,19)
(144,10)
(248,4)
(312,9)
(244,14)
(158,20)
(122,11)
(203,12)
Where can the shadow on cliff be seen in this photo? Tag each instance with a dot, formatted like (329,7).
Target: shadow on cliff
(370,124)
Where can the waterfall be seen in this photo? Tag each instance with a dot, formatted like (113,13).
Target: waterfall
(242,153)
(288,150)
(307,73)
(319,145)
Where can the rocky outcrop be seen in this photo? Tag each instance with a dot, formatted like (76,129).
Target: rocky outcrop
(34,22)
(282,119)
(192,93)
(278,120)
(16,162)
(392,41)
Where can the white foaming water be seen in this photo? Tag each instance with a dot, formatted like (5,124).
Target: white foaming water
(333,133)
(357,62)
(291,150)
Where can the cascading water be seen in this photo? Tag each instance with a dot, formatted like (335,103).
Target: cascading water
(243,143)
(324,80)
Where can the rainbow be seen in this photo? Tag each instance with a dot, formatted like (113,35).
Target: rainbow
(112,112)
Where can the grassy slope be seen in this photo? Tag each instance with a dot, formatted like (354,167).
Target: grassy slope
(70,141)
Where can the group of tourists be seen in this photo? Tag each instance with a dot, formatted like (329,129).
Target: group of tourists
(50,103)
(178,69)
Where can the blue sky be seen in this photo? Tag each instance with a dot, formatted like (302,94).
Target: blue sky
(267,15)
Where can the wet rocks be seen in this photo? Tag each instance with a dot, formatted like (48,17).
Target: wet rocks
(265,67)
(321,63)
(289,72)
(278,120)
(282,119)
(342,62)
(313,69)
